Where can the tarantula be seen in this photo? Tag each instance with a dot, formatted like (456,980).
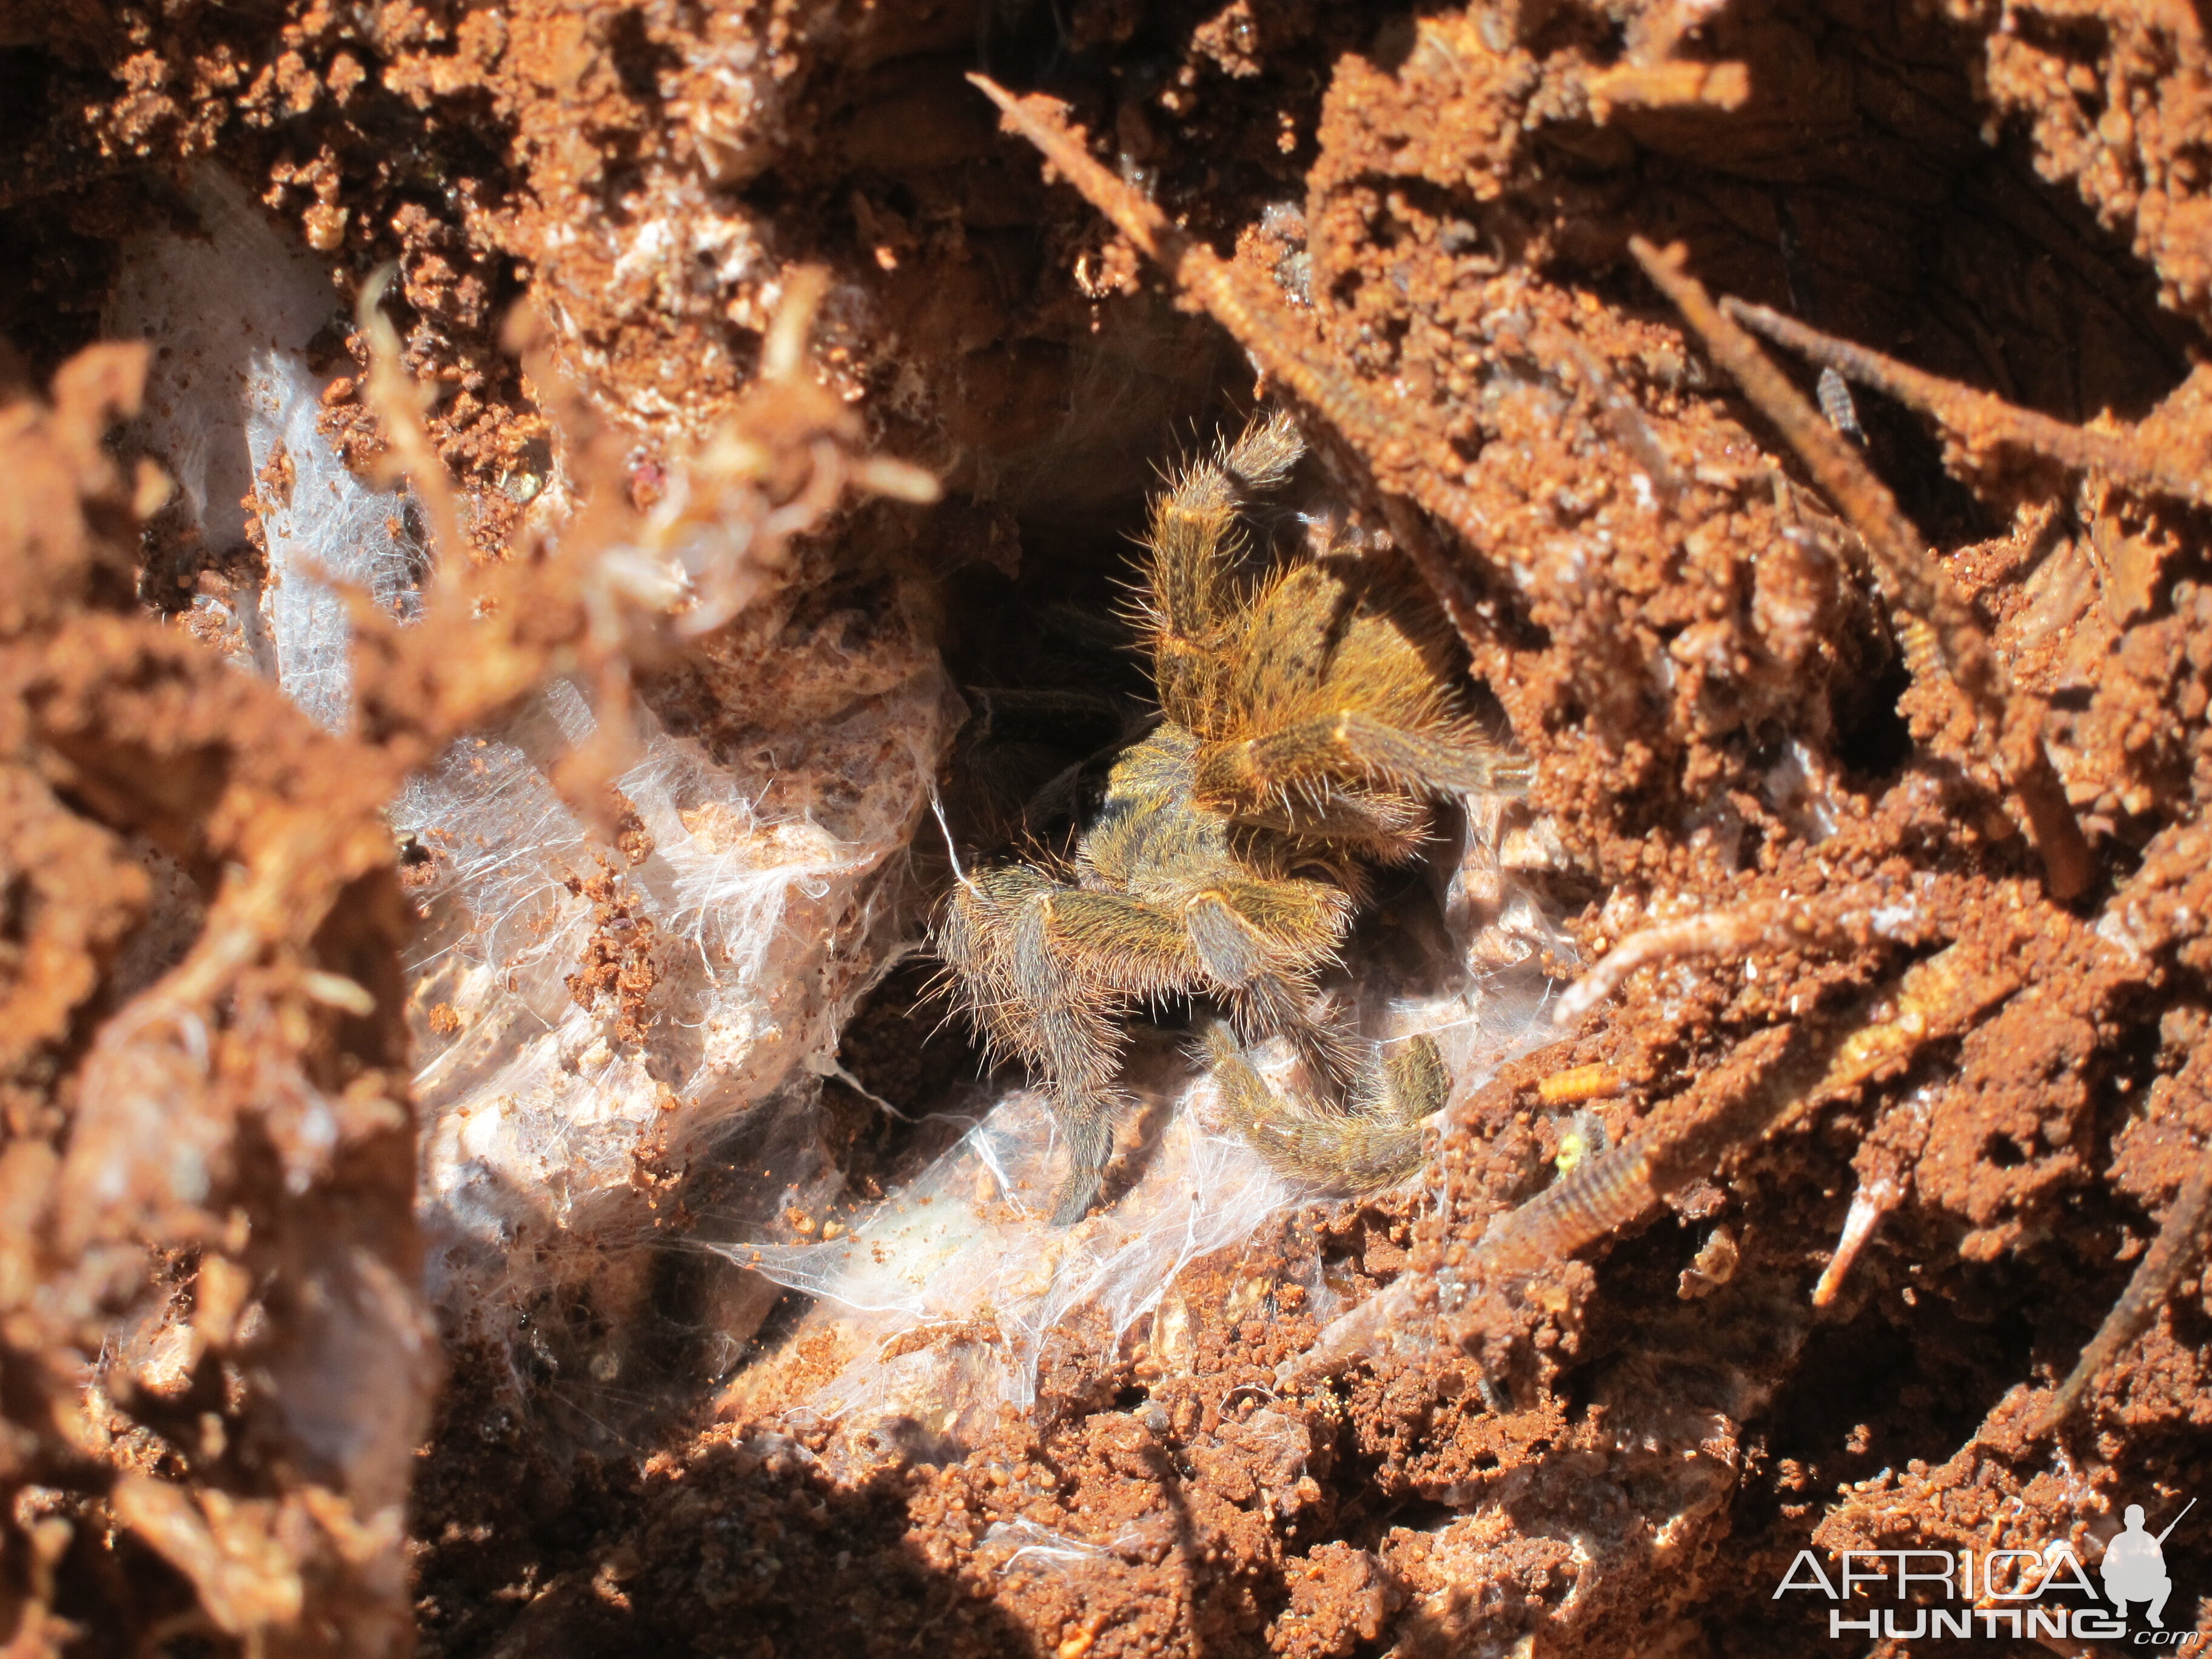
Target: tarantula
(1307,717)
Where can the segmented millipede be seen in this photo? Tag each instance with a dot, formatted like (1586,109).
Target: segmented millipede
(1605,1192)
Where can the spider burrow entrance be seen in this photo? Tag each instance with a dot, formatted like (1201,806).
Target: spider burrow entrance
(1310,717)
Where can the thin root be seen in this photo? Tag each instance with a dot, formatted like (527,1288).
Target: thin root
(1977,419)
(1768,1081)
(1863,910)
(401,405)
(1278,338)
(1710,935)
(1763,1085)
(2179,1245)
(1870,1205)
(1939,631)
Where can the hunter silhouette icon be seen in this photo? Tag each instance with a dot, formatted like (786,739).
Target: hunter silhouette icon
(2134,1565)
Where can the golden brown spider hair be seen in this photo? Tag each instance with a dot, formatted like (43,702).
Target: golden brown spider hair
(1308,716)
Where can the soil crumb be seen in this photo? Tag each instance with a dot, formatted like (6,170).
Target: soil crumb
(541,538)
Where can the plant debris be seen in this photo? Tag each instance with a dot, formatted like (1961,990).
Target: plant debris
(517,512)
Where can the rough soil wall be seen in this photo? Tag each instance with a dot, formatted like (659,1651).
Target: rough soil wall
(447,1124)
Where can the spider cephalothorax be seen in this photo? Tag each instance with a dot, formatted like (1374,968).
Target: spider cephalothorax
(1307,715)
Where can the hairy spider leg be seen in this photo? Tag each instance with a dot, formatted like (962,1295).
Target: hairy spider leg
(1046,969)
(1412,1083)
(1375,1144)
(1339,706)
(1260,944)
(1334,668)
(1195,543)
(1259,933)
(1344,625)
(1350,746)
(1194,524)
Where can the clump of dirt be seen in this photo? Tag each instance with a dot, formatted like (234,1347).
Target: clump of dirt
(219,1354)
(1902,1108)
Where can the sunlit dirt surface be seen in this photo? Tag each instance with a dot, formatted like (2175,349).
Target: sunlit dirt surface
(369,1135)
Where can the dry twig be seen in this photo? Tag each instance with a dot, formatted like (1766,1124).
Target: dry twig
(1977,419)
(1940,631)
(1277,339)
(2179,1246)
